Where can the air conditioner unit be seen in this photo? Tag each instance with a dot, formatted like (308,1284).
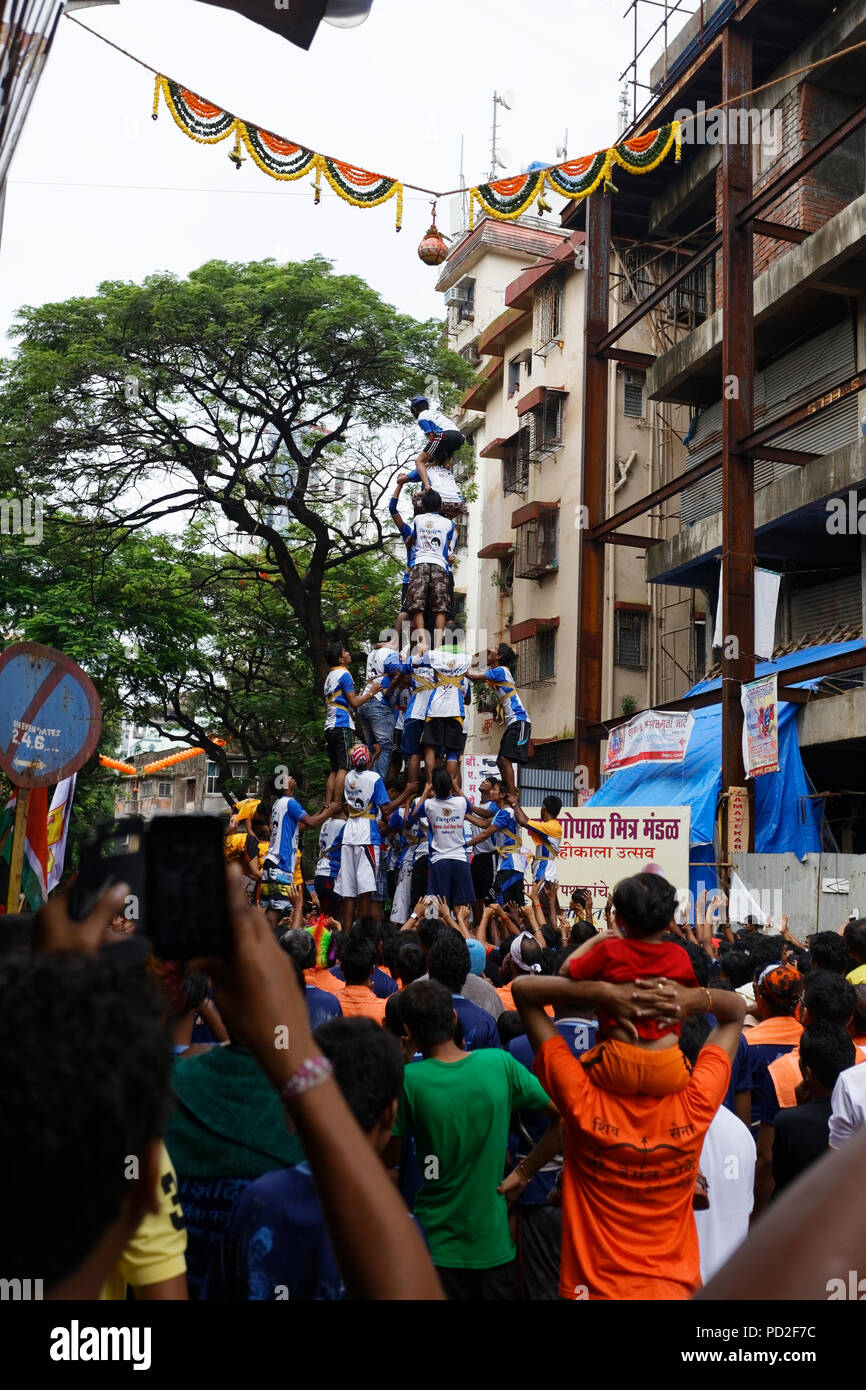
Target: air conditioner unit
(458,294)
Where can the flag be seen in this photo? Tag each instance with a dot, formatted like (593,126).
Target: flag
(58,829)
(34,870)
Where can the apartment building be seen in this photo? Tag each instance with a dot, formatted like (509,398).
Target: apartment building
(186,788)
(514,293)
(771,210)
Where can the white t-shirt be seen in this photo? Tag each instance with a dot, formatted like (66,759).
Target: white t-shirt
(728,1164)
(423,681)
(849,1105)
(376,663)
(363,793)
(446,702)
(433,537)
(486,846)
(327,835)
(445,819)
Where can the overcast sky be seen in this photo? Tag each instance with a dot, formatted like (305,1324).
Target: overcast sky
(99,191)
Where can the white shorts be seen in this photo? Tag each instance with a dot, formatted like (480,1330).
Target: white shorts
(359,865)
(402,904)
(442,481)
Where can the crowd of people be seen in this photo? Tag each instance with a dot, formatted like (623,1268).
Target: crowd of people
(417,1074)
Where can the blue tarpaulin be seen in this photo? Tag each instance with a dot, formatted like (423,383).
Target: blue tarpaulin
(784,819)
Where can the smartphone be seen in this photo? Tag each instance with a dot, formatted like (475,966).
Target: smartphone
(112,853)
(175,868)
(185,887)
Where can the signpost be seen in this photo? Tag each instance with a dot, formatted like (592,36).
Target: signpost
(50,722)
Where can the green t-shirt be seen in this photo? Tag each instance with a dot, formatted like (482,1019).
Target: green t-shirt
(459,1114)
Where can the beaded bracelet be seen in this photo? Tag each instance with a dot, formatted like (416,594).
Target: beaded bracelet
(315,1071)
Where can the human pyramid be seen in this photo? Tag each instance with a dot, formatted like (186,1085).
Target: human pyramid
(388,836)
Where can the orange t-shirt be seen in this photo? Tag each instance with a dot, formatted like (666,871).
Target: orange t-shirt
(504,992)
(786,1075)
(323,979)
(628,1228)
(360,1001)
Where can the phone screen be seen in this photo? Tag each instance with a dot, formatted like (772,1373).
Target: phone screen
(114,853)
(187,908)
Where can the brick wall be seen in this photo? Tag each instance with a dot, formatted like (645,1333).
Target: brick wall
(807,114)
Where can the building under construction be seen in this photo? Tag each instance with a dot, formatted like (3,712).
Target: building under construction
(765,218)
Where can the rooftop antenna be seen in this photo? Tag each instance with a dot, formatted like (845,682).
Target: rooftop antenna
(499,159)
(562,150)
(464,205)
(623,108)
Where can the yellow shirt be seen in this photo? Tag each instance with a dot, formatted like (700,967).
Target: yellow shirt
(858,976)
(157,1251)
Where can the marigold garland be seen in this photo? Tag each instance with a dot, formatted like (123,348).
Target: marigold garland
(130,771)
(506,199)
(117,766)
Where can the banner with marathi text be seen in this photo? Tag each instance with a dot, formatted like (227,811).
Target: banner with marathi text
(656,736)
(599,847)
(760,726)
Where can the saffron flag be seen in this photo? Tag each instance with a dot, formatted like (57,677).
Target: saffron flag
(58,829)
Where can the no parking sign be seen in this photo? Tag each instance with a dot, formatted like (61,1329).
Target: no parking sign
(50,716)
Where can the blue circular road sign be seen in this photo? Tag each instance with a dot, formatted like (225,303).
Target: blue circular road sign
(50,716)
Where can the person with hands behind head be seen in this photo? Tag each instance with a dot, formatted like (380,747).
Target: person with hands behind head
(379,1253)
(631,1161)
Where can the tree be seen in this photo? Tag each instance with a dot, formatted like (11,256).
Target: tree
(250,392)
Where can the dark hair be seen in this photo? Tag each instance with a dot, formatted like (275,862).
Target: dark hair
(428,930)
(700,962)
(409,964)
(431,501)
(368,1065)
(553,804)
(510,1026)
(393,1017)
(506,654)
(693,1034)
(428,1013)
(85,1085)
(300,947)
(580,932)
(737,968)
(646,903)
(443,787)
(334,652)
(449,961)
(184,993)
(337,946)
(827,1050)
(17,932)
(358,958)
(827,951)
(552,939)
(854,937)
(858,1023)
(829,997)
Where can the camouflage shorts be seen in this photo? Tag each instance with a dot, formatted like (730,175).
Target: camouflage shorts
(428,590)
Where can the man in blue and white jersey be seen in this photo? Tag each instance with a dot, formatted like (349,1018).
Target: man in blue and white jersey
(514,746)
(443,735)
(376,719)
(340,703)
(288,817)
(433,466)
(449,861)
(430,542)
(423,678)
(366,799)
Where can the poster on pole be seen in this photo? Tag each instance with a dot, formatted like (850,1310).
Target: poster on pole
(477,766)
(656,736)
(599,847)
(760,726)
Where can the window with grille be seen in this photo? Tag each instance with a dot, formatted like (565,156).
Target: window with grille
(211,782)
(547,318)
(536,658)
(506,575)
(461,526)
(637,279)
(164,790)
(145,789)
(631,639)
(699,667)
(515,463)
(536,548)
(546,427)
(514,376)
(460,612)
(634,387)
